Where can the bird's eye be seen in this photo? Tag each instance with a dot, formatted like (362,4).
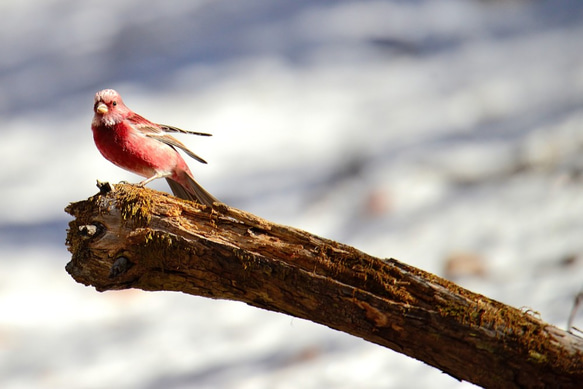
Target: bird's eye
(114,103)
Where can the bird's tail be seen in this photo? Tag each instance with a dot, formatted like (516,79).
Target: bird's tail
(192,191)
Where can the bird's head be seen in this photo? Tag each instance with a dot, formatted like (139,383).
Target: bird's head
(109,107)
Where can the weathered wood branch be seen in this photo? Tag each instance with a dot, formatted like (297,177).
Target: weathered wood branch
(135,237)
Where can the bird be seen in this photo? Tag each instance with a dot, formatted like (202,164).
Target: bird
(138,145)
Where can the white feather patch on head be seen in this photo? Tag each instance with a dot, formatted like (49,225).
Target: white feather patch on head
(106,95)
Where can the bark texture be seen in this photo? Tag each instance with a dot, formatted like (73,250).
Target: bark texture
(131,237)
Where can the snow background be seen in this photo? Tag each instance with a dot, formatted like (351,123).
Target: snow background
(420,130)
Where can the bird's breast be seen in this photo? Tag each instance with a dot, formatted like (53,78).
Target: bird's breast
(133,151)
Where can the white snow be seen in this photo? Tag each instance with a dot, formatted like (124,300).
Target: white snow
(413,130)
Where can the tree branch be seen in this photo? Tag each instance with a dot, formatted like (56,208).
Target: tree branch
(135,237)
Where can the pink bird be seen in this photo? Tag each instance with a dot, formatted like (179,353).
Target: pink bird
(142,147)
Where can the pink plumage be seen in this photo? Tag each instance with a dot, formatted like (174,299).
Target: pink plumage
(136,144)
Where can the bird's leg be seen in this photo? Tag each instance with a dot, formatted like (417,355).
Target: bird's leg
(155,176)
(578,301)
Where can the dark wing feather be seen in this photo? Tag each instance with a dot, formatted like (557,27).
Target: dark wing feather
(167,128)
(144,125)
(171,141)
(158,132)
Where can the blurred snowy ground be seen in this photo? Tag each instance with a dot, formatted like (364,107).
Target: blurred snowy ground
(447,134)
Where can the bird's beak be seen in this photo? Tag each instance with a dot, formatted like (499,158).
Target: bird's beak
(101,108)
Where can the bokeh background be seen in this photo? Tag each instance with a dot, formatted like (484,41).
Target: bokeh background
(447,134)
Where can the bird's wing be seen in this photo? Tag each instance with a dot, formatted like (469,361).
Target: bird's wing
(171,141)
(158,132)
(167,128)
(143,125)
(146,126)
